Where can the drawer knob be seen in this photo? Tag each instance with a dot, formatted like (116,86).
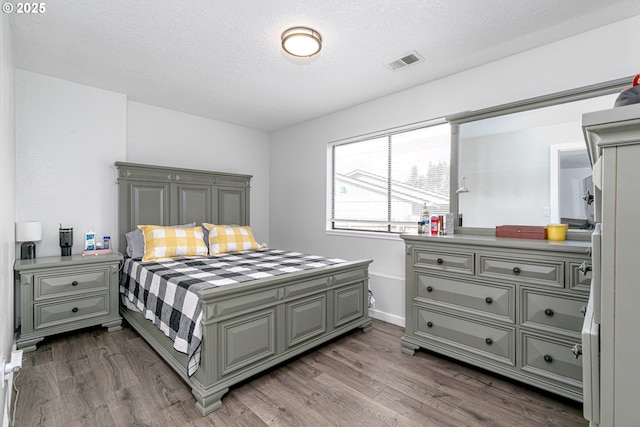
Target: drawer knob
(74,310)
(548,358)
(429,289)
(584,267)
(488,300)
(548,312)
(489,341)
(583,310)
(439,260)
(516,270)
(577,350)
(74,283)
(429,325)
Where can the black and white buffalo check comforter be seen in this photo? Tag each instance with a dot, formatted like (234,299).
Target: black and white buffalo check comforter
(165,290)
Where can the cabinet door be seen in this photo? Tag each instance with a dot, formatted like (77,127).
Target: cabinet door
(193,204)
(232,206)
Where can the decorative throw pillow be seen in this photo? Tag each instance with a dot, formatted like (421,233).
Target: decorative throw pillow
(231,238)
(168,242)
(135,241)
(628,96)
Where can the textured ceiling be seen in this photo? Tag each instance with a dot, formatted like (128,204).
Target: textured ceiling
(222,59)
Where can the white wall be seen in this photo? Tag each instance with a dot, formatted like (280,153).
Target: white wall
(298,153)
(67,137)
(164,137)
(64,159)
(7,195)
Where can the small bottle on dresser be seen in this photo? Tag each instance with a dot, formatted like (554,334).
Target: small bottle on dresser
(424,217)
(434,224)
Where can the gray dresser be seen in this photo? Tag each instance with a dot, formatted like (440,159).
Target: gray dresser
(62,294)
(511,306)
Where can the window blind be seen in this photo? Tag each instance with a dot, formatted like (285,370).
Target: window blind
(381,183)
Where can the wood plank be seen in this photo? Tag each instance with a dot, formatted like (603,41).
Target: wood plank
(95,378)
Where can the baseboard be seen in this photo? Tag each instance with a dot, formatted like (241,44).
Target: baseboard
(388,291)
(386,317)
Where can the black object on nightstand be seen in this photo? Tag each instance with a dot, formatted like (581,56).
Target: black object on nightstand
(66,240)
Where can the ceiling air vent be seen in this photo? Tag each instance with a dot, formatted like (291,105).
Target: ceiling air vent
(405,60)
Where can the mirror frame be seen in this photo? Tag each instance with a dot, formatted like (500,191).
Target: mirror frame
(585,92)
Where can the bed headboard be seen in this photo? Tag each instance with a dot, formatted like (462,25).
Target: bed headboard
(162,195)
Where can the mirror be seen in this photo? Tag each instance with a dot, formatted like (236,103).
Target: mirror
(570,175)
(526,168)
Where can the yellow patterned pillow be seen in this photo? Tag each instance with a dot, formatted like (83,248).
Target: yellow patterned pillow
(231,238)
(168,242)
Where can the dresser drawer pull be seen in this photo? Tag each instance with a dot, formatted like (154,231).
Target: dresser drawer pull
(429,289)
(577,350)
(548,312)
(583,310)
(488,300)
(584,267)
(74,283)
(429,324)
(516,270)
(74,310)
(439,260)
(489,341)
(548,358)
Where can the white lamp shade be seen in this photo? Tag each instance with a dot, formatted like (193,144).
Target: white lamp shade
(29,231)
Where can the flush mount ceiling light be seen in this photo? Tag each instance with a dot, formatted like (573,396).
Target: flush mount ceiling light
(301,41)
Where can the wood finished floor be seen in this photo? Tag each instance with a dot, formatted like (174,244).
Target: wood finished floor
(96,378)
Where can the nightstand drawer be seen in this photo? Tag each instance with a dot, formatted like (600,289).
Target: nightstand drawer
(493,300)
(444,261)
(494,342)
(541,272)
(562,311)
(551,358)
(59,282)
(47,315)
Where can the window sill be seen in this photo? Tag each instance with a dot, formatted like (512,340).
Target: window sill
(364,234)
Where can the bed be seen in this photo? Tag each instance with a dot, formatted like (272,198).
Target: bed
(246,327)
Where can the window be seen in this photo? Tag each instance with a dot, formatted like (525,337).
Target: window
(381,183)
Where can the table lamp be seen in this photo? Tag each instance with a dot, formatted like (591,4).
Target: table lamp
(28,232)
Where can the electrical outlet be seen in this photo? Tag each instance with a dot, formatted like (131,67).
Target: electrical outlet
(547,212)
(9,368)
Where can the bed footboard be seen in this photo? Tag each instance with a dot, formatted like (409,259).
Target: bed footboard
(250,327)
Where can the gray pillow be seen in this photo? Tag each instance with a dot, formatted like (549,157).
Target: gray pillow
(628,97)
(135,240)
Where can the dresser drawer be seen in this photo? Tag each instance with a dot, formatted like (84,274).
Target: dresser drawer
(459,262)
(545,309)
(52,314)
(489,299)
(55,283)
(551,358)
(541,272)
(578,280)
(494,342)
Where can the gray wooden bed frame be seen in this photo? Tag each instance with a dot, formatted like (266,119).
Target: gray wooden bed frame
(248,327)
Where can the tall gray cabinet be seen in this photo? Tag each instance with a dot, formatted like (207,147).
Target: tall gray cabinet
(512,306)
(614,136)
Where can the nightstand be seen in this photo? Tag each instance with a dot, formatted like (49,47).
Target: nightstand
(62,294)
